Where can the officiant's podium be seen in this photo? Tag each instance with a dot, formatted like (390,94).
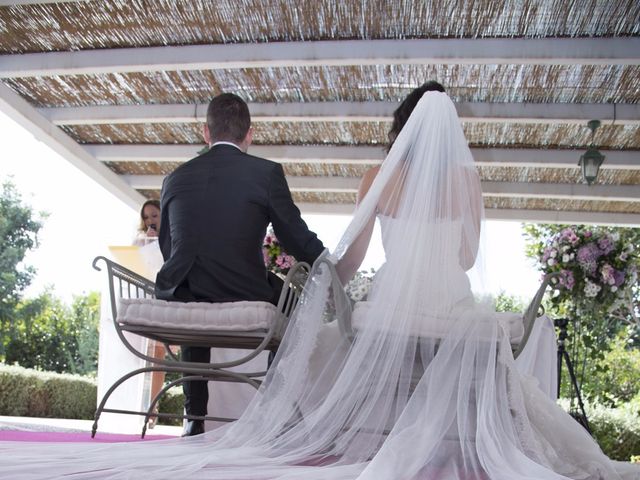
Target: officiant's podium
(250,328)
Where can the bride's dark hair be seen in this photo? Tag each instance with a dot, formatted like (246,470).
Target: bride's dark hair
(402,113)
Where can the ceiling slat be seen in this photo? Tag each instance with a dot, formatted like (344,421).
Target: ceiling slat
(515,215)
(450,51)
(541,113)
(560,191)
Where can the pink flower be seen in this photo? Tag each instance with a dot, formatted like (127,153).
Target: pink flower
(570,235)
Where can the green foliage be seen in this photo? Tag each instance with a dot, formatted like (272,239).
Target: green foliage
(32,393)
(48,335)
(617,431)
(172,402)
(19,229)
(615,378)
(86,317)
(509,303)
(25,392)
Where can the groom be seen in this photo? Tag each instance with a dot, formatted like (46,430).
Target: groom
(215,211)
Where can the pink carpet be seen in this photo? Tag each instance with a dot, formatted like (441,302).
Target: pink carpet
(21,436)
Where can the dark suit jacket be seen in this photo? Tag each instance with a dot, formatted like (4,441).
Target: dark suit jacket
(215,212)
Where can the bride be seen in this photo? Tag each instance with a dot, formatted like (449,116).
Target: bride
(423,386)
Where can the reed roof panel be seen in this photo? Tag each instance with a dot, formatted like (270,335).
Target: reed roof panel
(143,168)
(557,175)
(67,26)
(464,83)
(561,205)
(617,137)
(324,197)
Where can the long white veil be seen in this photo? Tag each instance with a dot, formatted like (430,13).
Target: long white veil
(424,385)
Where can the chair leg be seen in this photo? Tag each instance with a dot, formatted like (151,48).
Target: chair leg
(106,396)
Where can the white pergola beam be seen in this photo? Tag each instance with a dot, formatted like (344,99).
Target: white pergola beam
(513,215)
(28,117)
(451,51)
(497,157)
(279,153)
(562,191)
(559,191)
(564,217)
(539,113)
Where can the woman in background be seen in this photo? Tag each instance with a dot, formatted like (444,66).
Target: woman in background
(149,223)
(147,233)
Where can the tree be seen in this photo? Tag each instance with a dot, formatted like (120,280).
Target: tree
(19,228)
(49,335)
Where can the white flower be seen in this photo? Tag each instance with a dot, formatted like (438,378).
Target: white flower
(565,248)
(615,236)
(566,258)
(551,262)
(553,253)
(613,288)
(591,289)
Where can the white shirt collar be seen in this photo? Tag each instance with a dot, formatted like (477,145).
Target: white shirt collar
(225,143)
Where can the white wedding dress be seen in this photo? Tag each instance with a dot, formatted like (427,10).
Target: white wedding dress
(426,387)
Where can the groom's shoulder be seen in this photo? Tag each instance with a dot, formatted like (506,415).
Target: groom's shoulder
(260,162)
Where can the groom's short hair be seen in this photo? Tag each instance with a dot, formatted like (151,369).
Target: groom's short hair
(228,118)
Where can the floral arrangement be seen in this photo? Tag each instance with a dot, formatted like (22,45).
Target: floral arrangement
(596,267)
(358,288)
(275,258)
(278,261)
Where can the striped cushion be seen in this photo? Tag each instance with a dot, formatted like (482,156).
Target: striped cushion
(230,316)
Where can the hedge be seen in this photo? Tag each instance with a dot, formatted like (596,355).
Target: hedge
(617,430)
(32,393)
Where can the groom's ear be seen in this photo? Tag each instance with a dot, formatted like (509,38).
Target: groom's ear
(248,137)
(207,134)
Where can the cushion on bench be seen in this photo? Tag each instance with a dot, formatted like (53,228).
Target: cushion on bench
(230,316)
(434,327)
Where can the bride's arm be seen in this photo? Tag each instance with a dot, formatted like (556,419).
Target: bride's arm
(472,219)
(348,265)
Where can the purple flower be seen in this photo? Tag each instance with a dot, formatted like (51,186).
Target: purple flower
(618,276)
(587,234)
(606,244)
(567,280)
(587,256)
(570,235)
